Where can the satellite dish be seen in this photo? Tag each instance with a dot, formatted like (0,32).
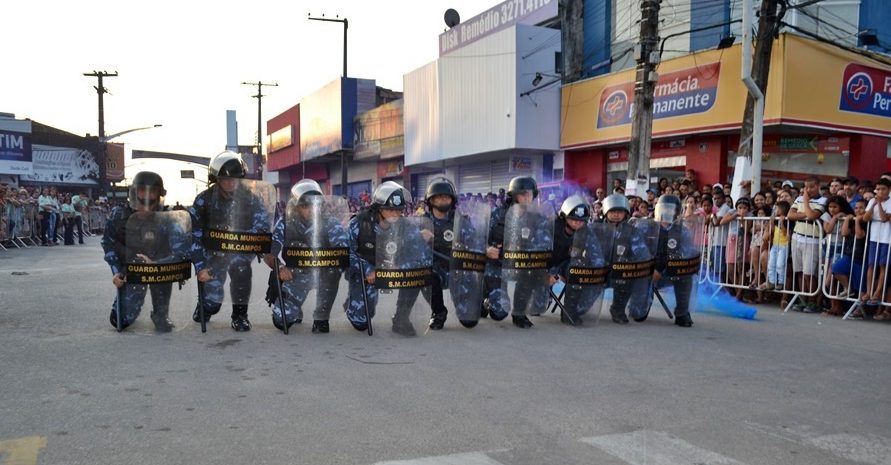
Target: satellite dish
(452,18)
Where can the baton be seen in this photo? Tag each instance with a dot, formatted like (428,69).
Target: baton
(664,305)
(117,308)
(281,302)
(201,305)
(559,304)
(365,297)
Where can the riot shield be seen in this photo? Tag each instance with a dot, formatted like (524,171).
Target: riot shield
(528,242)
(632,263)
(315,249)
(468,261)
(404,269)
(588,271)
(679,254)
(236,232)
(157,263)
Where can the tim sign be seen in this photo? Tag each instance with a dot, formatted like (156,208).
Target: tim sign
(15,152)
(685,92)
(866,90)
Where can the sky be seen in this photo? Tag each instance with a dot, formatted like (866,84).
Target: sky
(181,63)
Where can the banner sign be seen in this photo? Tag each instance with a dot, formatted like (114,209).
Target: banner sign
(15,152)
(63,165)
(866,90)
(495,19)
(685,92)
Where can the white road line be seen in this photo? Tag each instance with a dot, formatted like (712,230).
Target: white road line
(471,458)
(647,447)
(865,448)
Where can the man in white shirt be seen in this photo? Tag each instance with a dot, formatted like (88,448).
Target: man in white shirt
(806,211)
(79,202)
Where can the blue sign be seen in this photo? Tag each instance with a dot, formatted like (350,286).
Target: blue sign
(15,152)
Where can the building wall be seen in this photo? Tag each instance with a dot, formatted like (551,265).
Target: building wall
(290,155)
(421,114)
(538,113)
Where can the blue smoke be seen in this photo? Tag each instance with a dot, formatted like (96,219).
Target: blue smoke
(722,303)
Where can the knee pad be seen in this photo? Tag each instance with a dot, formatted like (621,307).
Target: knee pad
(468,323)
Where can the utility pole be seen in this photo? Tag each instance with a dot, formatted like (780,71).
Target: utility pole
(755,79)
(343,155)
(573,39)
(259,98)
(644,87)
(101,90)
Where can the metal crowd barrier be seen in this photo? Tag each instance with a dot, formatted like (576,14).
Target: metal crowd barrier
(746,258)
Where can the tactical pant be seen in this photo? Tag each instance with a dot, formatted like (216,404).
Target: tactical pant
(683,290)
(578,300)
(433,296)
(79,223)
(467,290)
(527,299)
(296,290)
(238,267)
(133,296)
(633,293)
(355,305)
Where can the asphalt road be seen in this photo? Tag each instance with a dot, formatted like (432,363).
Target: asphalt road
(783,389)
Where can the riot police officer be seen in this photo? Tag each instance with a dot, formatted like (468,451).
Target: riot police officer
(574,214)
(441,199)
(677,256)
(531,230)
(134,234)
(388,206)
(312,234)
(631,261)
(230,204)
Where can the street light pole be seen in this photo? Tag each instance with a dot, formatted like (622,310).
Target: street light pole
(343,160)
(103,144)
(101,90)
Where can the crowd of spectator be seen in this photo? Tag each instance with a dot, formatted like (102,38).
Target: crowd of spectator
(47,217)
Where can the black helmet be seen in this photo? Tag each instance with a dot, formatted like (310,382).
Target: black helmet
(668,208)
(615,202)
(304,189)
(390,195)
(576,207)
(144,182)
(522,184)
(441,186)
(227,164)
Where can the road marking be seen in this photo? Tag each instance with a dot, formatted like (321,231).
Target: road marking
(472,458)
(647,447)
(22,451)
(866,448)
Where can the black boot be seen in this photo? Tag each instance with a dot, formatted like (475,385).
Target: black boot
(209,311)
(619,318)
(484,308)
(161,321)
(683,321)
(521,321)
(438,321)
(320,326)
(240,320)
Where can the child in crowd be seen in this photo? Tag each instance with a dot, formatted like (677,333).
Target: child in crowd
(779,248)
(847,270)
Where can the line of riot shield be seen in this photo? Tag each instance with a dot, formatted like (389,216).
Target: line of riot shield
(156,263)
(588,271)
(679,254)
(404,269)
(632,263)
(527,249)
(237,232)
(467,265)
(316,252)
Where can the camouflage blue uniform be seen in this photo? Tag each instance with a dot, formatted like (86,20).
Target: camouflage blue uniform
(525,298)
(580,298)
(172,246)
(363,231)
(676,242)
(221,215)
(630,246)
(305,279)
